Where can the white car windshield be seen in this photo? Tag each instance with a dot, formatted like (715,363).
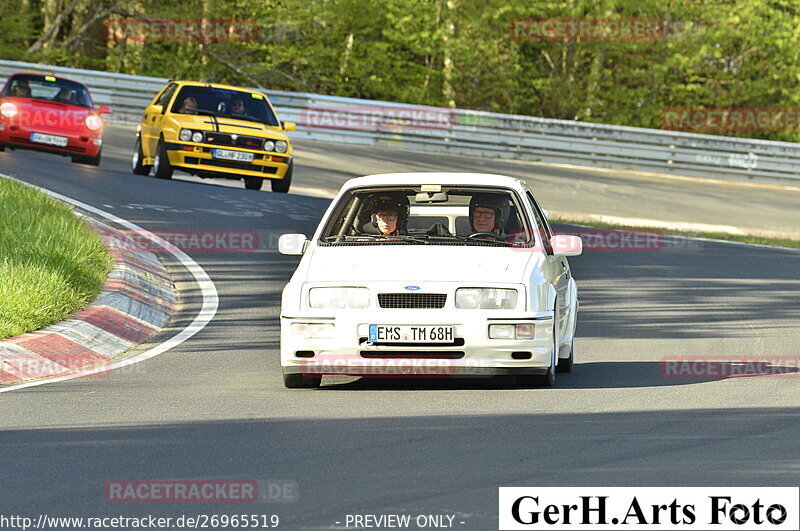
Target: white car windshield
(432,215)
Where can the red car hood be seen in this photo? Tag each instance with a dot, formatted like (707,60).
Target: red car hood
(51,114)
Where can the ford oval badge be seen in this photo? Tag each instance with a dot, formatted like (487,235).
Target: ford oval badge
(412,288)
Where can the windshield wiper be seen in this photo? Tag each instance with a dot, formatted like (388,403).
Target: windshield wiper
(467,239)
(335,238)
(404,237)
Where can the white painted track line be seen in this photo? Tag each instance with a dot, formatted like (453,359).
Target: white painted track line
(207,288)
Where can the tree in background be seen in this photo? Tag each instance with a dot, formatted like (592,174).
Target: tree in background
(712,54)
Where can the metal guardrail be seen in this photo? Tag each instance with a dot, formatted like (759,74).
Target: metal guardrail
(504,136)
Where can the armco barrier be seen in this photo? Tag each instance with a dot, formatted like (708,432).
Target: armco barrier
(477,133)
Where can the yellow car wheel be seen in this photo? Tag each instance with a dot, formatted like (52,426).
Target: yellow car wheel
(161,166)
(253,183)
(136,162)
(282,185)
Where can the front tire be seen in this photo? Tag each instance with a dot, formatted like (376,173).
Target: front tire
(91,161)
(300,381)
(282,185)
(253,183)
(161,166)
(136,161)
(566,364)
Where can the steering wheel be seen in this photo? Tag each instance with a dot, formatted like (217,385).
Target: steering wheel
(493,235)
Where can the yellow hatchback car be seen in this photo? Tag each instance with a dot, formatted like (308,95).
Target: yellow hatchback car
(212,130)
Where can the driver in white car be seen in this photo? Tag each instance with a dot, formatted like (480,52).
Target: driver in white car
(488,214)
(389,214)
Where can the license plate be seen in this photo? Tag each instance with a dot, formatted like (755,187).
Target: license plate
(410,334)
(41,138)
(227,154)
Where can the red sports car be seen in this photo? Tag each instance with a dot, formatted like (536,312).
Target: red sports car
(51,114)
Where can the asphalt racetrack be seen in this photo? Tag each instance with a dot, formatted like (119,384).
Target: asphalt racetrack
(215,406)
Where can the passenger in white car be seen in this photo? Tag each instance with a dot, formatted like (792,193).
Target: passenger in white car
(488,214)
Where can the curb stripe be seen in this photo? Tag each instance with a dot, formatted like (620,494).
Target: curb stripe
(61,350)
(208,291)
(119,288)
(117,324)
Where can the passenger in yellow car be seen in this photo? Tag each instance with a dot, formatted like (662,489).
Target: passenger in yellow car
(237,107)
(189,106)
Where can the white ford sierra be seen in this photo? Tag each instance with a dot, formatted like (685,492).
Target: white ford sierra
(430,274)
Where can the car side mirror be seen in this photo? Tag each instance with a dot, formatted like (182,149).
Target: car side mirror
(156,109)
(292,244)
(289,126)
(104,109)
(566,245)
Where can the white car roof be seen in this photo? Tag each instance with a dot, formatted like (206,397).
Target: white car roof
(419,178)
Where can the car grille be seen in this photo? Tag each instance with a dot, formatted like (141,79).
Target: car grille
(412,354)
(224,139)
(230,164)
(412,300)
(457,342)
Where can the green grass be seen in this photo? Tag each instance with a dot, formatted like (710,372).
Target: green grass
(743,238)
(51,262)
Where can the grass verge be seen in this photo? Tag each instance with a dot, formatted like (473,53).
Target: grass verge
(742,238)
(51,262)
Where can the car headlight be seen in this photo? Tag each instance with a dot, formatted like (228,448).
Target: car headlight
(197,136)
(338,297)
(185,135)
(94,122)
(486,298)
(313,330)
(8,109)
(280,146)
(511,331)
(269,145)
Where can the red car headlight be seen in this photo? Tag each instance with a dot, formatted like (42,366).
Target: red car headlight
(8,109)
(94,122)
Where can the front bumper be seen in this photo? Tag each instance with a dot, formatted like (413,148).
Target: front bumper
(472,353)
(197,158)
(18,136)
